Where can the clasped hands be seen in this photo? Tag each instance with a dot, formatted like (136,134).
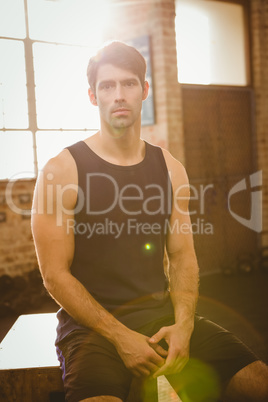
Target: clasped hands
(143,356)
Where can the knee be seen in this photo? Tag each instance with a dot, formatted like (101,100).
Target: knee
(250,384)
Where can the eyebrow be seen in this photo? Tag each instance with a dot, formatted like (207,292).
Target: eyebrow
(109,82)
(106,82)
(133,79)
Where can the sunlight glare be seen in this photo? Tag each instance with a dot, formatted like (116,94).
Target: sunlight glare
(13,94)
(16,154)
(12,19)
(79,22)
(59,140)
(211,44)
(192,26)
(61,87)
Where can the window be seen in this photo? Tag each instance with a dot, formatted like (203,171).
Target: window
(13,92)
(211,42)
(45,46)
(16,154)
(12,19)
(61,87)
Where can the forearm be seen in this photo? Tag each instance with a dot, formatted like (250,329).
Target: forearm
(72,296)
(183,276)
(133,348)
(184,283)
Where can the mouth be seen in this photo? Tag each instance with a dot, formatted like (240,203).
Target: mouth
(121,111)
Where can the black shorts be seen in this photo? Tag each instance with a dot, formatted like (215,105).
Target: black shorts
(92,367)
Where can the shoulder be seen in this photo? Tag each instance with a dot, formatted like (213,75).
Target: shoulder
(180,185)
(176,170)
(57,182)
(61,169)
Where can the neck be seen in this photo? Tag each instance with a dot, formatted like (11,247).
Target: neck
(122,144)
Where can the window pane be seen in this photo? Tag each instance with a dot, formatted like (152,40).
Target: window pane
(61,87)
(68,21)
(210,42)
(13,93)
(49,144)
(16,155)
(12,19)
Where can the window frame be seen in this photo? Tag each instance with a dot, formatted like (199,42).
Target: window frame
(28,44)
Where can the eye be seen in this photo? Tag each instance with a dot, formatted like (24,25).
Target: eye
(107,86)
(130,83)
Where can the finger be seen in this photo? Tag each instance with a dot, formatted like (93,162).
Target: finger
(177,356)
(154,367)
(171,364)
(167,366)
(161,371)
(158,349)
(171,367)
(141,372)
(135,372)
(150,364)
(150,368)
(158,336)
(182,364)
(175,362)
(157,360)
(145,372)
(158,354)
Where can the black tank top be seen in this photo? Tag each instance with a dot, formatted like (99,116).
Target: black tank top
(120,224)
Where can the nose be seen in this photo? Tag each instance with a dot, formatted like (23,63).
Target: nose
(119,94)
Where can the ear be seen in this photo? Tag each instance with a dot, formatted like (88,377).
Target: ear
(92,97)
(145,90)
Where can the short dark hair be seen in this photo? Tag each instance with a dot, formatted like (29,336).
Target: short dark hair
(120,55)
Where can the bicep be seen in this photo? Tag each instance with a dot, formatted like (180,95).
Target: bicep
(179,244)
(183,266)
(179,236)
(54,244)
(52,218)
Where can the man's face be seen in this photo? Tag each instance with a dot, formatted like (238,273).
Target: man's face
(119,95)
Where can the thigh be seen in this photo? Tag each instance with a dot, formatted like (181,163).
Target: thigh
(92,367)
(215,356)
(212,345)
(219,348)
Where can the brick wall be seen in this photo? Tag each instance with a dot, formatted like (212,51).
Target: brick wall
(17,254)
(259,36)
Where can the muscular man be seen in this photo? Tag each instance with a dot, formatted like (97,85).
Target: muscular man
(104,212)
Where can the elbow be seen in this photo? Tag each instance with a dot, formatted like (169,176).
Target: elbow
(54,281)
(49,282)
